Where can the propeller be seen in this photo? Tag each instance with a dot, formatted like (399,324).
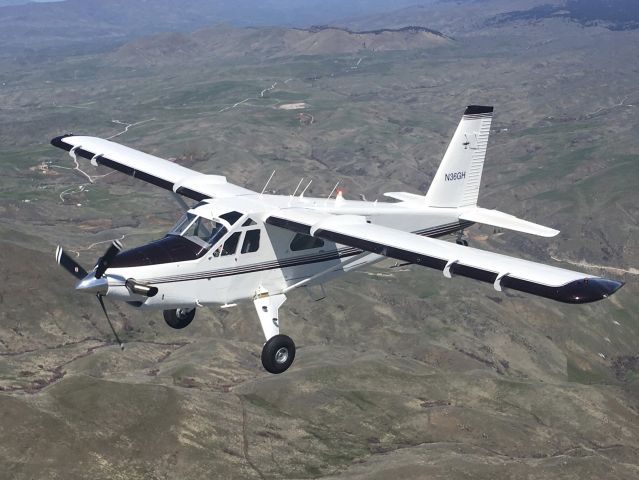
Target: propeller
(105,260)
(92,284)
(69,264)
(115,334)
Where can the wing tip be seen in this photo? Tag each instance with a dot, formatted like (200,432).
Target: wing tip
(582,290)
(58,141)
(590,289)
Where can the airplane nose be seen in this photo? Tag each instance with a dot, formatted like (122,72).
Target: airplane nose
(90,284)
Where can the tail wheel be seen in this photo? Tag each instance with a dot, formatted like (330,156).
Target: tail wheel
(278,354)
(179,318)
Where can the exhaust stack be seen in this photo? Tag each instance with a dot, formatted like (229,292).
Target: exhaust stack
(140,289)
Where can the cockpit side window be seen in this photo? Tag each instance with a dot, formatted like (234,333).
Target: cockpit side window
(230,245)
(251,241)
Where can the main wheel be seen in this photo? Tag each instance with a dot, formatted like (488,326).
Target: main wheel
(179,318)
(278,354)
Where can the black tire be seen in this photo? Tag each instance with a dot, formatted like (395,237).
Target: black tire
(278,354)
(179,318)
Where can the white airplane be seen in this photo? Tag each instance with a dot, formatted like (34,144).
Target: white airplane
(238,244)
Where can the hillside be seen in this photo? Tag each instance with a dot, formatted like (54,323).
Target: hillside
(44,30)
(229,42)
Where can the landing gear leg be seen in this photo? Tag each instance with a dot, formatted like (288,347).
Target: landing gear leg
(461,239)
(278,352)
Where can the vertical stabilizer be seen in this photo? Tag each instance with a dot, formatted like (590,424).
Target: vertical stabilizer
(456,183)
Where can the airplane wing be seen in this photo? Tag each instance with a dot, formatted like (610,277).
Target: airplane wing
(149,168)
(451,259)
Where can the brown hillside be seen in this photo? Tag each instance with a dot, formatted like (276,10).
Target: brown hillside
(228,42)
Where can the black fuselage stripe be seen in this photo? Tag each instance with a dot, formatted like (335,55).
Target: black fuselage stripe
(258,266)
(224,273)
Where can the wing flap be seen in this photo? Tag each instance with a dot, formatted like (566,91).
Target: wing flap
(500,270)
(149,168)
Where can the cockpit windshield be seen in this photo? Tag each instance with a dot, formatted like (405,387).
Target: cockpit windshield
(200,230)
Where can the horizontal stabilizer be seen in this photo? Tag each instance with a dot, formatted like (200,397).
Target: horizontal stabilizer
(504,220)
(405,196)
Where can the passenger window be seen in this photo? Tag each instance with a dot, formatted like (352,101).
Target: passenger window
(230,246)
(305,242)
(251,241)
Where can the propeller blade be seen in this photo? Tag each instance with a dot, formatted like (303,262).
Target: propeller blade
(105,260)
(109,321)
(69,264)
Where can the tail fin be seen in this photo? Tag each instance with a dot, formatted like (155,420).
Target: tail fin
(456,183)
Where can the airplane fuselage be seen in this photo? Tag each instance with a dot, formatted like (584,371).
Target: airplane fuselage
(277,266)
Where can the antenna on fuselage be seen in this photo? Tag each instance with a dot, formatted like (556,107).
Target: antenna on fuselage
(266,184)
(332,191)
(298,186)
(304,191)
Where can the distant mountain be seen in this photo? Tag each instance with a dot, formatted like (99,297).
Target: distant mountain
(89,25)
(453,17)
(612,14)
(54,29)
(480,14)
(227,41)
